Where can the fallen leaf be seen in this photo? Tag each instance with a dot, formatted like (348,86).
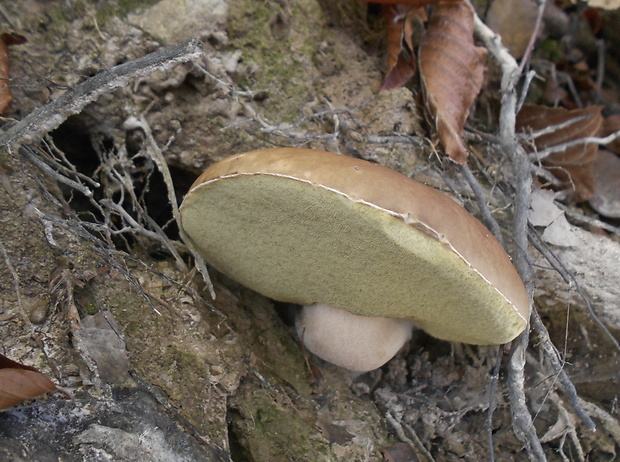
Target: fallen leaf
(102,348)
(400,55)
(452,71)
(573,166)
(514,21)
(543,210)
(6,98)
(401,62)
(19,382)
(544,213)
(606,200)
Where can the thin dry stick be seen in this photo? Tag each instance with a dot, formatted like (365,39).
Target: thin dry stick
(586,220)
(570,279)
(30,154)
(16,283)
(567,385)
(534,134)
(521,417)
(570,427)
(483,206)
(540,155)
(158,157)
(48,117)
(489,424)
(521,166)
(608,421)
(416,443)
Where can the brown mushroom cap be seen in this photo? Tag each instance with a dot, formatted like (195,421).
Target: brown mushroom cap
(306,227)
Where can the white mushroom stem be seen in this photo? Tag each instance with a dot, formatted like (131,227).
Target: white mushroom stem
(357,343)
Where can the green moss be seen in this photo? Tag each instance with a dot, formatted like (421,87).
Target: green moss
(281,44)
(551,50)
(268,430)
(121,8)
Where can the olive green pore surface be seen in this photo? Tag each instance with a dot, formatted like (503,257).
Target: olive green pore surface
(297,242)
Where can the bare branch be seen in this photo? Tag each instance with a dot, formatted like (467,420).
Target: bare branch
(483,206)
(540,155)
(48,117)
(158,157)
(521,417)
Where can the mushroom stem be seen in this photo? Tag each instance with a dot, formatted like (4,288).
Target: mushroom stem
(357,343)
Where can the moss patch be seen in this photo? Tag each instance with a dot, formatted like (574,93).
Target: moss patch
(280,42)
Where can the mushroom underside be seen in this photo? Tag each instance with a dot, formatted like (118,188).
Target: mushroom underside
(295,241)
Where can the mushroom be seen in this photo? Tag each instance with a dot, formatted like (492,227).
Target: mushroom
(368,252)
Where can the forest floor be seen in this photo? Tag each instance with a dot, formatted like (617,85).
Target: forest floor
(98,292)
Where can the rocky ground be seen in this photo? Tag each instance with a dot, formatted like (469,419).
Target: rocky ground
(97,291)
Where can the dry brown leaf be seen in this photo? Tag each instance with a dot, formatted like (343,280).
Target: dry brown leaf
(575,165)
(20,383)
(452,71)
(401,58)
(514,21)
(6,99)
(398,14)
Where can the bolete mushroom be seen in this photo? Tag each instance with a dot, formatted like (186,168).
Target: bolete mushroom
(368,252)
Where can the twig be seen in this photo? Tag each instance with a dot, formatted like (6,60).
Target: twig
(226,86)
(16,283)
(530,45)
(567,385)
(415,443)
(546,175)
(483,206)
(48,117)
(600,68)
(28,152)
(570,427)
(521,417)
(158,157)
(489,424)
(584,219)
(524,89)
(534,134)
(609,422)
(570,279)
(395,139)
(540,155)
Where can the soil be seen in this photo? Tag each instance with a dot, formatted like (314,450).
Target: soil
(187,377)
